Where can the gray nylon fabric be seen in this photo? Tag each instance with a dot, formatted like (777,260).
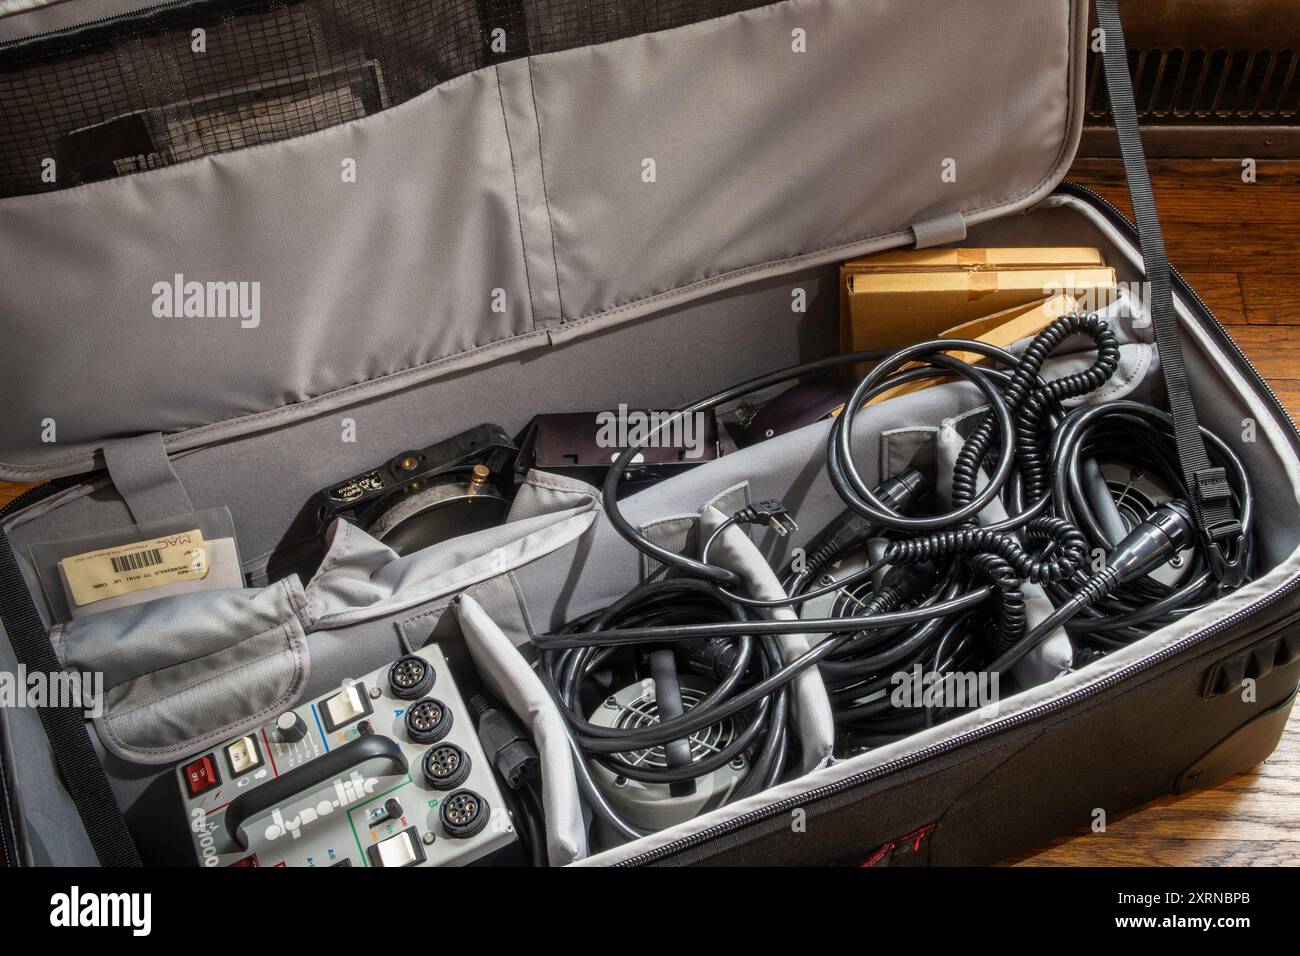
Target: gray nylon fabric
(506,209)
(514,681)
(145,479)
(680,533)
(813,721)
(185,672)
(363,579)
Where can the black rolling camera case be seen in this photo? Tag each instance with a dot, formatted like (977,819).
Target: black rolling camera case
(477,211)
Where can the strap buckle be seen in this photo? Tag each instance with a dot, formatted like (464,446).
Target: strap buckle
(1212,486)
(1230,572)
(1223,535)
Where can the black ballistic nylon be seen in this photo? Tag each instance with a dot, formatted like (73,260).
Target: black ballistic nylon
(129,93)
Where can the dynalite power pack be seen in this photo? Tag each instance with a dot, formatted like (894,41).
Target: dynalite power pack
(384,771)
(344,231)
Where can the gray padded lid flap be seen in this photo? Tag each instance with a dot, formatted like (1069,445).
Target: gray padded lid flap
(513,208)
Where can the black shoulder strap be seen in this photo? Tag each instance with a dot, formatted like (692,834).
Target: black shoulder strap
(78,764)
(1207,485)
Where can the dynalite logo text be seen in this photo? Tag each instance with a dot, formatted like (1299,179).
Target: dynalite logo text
(346,792)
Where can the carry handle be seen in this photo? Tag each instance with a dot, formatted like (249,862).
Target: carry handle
(311,774)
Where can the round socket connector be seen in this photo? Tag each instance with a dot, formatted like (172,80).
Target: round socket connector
(427,721)
(410,677)
(463,814)
(445,766)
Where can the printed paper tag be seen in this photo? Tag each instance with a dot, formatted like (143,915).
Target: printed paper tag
(138,566)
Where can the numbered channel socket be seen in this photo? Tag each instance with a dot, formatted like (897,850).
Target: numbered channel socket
(410,677)
(445,766)
(464,814)
(427,721)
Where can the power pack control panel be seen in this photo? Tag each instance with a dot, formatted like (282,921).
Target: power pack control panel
(384,771)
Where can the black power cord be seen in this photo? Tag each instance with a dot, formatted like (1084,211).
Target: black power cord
(945,593)
(939,365)
(760,719)
(510,751)
(1139,437)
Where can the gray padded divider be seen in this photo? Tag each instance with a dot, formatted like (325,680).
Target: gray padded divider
(812,708)
(363,579)
(514,681)
(184,672)
(680,533)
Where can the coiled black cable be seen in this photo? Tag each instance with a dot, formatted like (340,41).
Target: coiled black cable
(660,604)
(1137,436)
(881,379)
(1034,399)
(844,474)
(952,594)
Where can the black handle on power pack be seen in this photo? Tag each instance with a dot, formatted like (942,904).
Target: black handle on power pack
(313,773)
(1208,490)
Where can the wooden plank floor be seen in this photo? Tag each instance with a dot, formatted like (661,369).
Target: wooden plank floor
(1239,245)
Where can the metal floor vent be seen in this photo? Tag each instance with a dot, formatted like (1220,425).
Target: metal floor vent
(1209,79)
(1206,86)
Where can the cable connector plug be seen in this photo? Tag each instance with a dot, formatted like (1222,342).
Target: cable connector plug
(771,513)
(505,742)
(906,582)
(1155,540)
(851,530)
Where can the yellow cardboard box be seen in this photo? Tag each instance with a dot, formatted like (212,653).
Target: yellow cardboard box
(893,309)
(1001,329)
(1033,257)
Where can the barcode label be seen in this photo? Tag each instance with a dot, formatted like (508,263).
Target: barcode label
(137,560)
(134,566)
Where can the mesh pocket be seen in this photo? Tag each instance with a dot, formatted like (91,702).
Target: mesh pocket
(148,89)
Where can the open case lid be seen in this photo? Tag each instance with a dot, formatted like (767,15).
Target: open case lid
(476,178)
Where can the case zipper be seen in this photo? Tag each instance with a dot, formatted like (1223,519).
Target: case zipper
(30,497)
(97,22)
(1034,713)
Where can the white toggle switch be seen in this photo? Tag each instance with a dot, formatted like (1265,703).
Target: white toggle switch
(400,849)
(346,706)
(243,755)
